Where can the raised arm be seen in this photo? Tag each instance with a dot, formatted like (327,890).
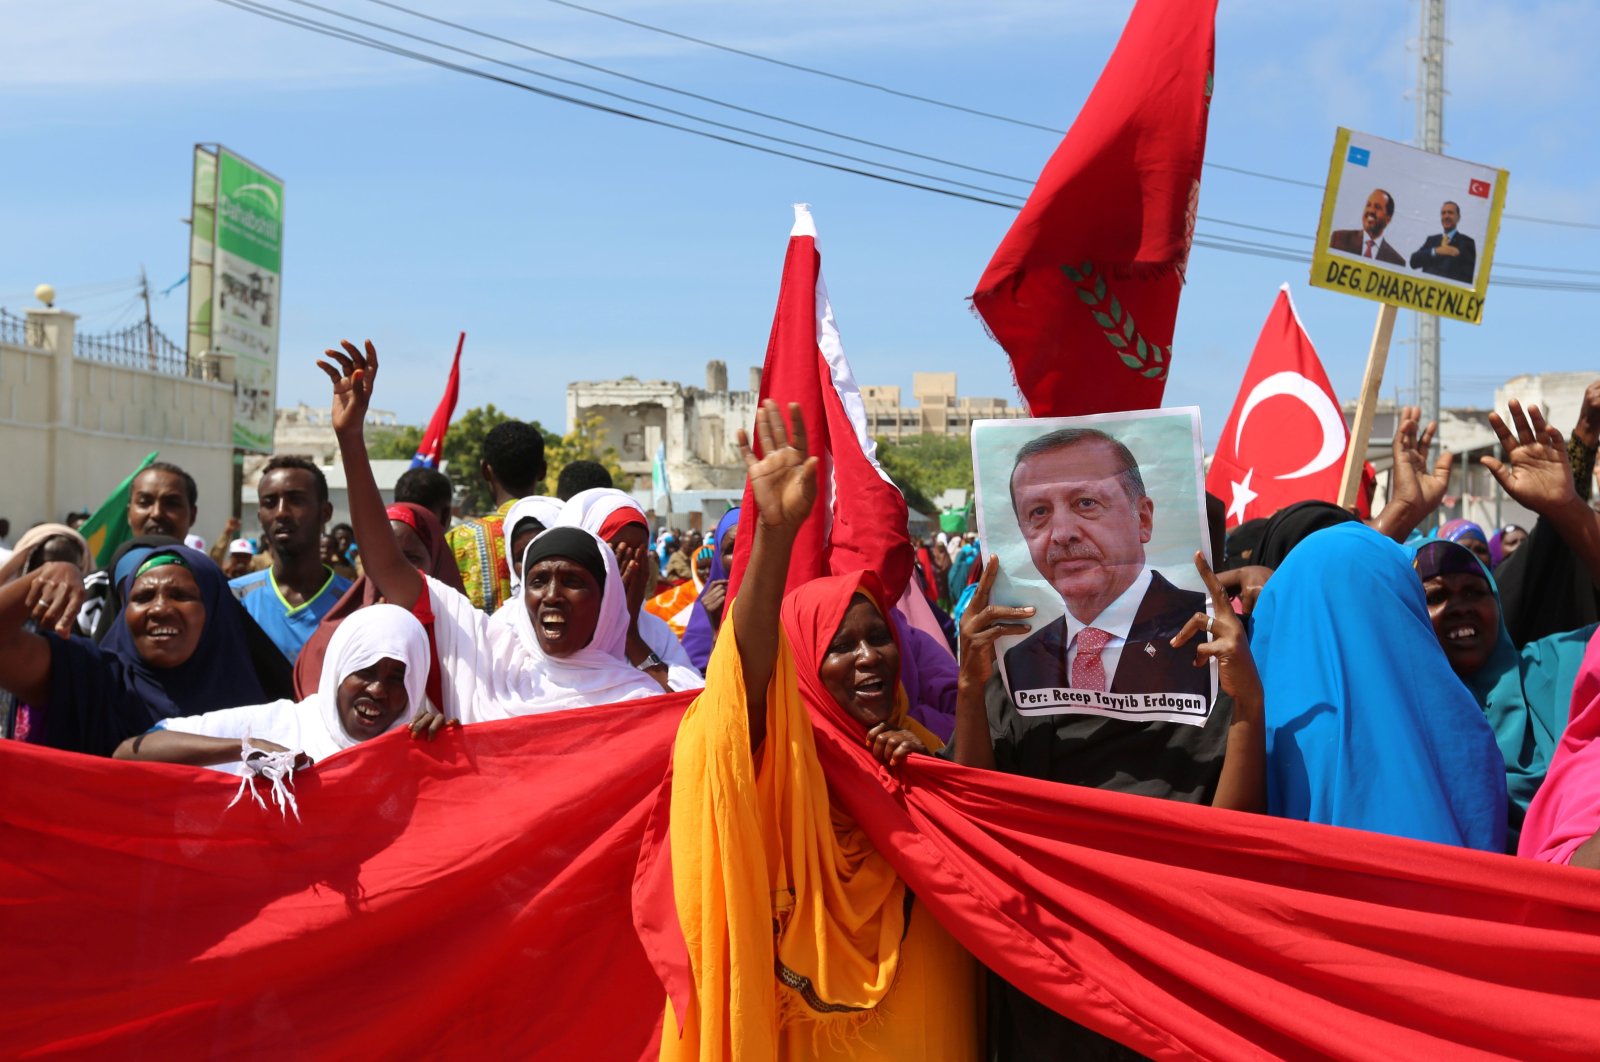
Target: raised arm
(1243,785)
(1415,492)
(784,484)
(50,595)
(1537,474)
(381,558)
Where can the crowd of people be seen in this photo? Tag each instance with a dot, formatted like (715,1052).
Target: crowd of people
(1439,686)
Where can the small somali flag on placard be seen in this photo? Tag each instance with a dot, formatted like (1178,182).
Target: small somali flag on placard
(1359,156)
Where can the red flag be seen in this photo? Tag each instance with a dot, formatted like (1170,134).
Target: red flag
(1083,291)
(432,444)
(1285,439)
(859,521)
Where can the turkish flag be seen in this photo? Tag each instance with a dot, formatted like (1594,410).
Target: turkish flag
(859,520)
(1286,438)
(1478,188)
(1083,291)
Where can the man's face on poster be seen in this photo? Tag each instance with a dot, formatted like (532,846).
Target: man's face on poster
(1376,214)
(1084,530)
(1449,216)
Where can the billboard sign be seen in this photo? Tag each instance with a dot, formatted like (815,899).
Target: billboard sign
(246,285)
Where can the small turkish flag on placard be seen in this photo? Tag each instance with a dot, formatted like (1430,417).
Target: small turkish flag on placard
(1479,188)
(1285,439)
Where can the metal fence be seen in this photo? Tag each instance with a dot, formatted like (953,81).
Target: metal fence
(139,346)
(16,331)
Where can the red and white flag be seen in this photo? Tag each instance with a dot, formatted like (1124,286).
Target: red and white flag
(1285,440)
(431,446)
(859,521)
(1083,291)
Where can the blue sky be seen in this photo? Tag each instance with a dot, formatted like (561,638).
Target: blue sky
(576,245)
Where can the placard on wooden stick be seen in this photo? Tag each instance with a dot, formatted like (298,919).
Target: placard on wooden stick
(1412,230)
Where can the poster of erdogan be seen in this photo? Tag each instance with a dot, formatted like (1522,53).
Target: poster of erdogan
(1096,521)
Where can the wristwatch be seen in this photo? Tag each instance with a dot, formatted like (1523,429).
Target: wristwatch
(651,661)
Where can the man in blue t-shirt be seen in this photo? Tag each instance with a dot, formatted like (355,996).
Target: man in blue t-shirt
(290,598)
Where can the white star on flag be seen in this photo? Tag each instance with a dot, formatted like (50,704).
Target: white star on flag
(1242,496)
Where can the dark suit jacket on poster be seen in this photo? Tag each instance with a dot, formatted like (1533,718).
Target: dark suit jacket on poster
(1353,241)
(1458,268)
(1039,661)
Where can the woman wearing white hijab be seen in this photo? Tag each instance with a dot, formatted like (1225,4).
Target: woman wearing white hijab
(562,643)
(373,678)
(619,521)
(518,665)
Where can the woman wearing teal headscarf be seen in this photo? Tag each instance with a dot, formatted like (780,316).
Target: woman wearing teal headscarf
(1367,726)
(1524,693)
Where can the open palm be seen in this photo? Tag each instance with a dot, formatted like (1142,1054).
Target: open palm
(783,480)
(1535,472)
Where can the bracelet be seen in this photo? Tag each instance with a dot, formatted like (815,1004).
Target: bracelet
(1581,457)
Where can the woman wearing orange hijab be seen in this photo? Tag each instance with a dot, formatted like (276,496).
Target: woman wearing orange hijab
(803,942)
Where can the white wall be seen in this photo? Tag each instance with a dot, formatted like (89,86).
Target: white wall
(72,429)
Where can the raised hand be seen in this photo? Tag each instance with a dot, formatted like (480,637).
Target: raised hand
(1587,430)
(54,597)
(1225,641)
(352,384)
(783,480)
(982,624)
(635,576)
(1535,472)
(1415,492)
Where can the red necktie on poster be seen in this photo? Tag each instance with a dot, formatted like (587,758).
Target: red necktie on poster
(1285,439)
(1088,670)
(1368,252)
(1085,300)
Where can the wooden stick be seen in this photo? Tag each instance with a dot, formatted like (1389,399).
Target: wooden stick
(1356,456)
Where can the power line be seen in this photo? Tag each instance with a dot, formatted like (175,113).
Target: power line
(875,86)
(254,8)
(1204,240)
(811,69)
(714,101)
(669,110)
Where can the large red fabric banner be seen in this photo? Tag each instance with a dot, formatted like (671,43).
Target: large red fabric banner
(472,897)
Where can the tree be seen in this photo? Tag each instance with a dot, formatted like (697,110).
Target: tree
(463,451)
(925,466)
(585,442)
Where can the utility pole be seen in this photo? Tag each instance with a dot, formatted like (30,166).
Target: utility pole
(1430,137)
(149,325)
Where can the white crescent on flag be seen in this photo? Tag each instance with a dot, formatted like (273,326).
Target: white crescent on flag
(1314,398)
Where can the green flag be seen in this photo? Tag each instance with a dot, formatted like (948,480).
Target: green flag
(108,527)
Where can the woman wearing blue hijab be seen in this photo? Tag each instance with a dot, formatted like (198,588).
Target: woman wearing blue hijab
(180,646)
(1367,726)
(701,632)
(1524,694)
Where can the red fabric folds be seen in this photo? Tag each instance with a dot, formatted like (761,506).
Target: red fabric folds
(472,897)
(469,897)
(1083,291)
